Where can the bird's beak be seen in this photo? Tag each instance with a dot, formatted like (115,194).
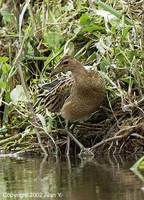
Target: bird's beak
(56,70)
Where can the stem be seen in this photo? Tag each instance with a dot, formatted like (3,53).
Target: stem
(114,12)
(20,71)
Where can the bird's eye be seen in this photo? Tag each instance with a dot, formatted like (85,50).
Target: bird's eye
(65,62)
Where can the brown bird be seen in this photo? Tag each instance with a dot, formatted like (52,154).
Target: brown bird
(77,96)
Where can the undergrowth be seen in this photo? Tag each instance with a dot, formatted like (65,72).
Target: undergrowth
(108,35)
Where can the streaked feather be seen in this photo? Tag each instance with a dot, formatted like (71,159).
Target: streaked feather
(55,93)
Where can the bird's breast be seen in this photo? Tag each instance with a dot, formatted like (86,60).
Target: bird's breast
(79,109)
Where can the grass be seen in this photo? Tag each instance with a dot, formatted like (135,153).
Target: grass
(35,35)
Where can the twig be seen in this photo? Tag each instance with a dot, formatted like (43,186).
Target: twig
(112,110)
(107,140)
(137,135)
(15,137)
(116,137)
(124,129)
(44,128)
(17,63)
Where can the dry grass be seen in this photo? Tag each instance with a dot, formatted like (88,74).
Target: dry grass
(109,36)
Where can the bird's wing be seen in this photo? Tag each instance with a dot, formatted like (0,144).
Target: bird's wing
(55,93)
(96,80)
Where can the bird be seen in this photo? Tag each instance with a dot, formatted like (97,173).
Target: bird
(77,96)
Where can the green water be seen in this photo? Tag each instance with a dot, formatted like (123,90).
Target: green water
(104,178)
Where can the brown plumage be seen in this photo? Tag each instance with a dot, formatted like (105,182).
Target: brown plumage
(55,93)
(77,96)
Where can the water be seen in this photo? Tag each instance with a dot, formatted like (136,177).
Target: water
(105,178)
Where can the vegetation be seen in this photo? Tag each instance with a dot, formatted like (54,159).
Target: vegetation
(109,35)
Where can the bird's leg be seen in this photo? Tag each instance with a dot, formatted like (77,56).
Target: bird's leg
(68,139)
(68,146)
(73,138)
(71,128)
(84,152)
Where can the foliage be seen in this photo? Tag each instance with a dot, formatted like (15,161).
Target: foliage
(36,34)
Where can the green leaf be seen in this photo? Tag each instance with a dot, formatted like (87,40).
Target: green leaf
(3,130)
(114,12)
(4,59)
(91,28)
(53,39)
(2,84)
(125,32)
(7,16)
(141,165)
(5,68)
(84,19)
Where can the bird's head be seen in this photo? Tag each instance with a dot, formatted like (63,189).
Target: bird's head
(67,63)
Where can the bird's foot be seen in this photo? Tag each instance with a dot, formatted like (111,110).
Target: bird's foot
(86,152)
